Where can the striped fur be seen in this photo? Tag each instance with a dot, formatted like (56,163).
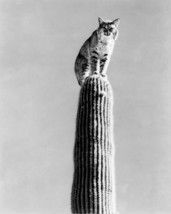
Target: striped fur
(93,189)
(94,55)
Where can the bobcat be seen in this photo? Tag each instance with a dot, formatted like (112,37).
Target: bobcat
(94,55)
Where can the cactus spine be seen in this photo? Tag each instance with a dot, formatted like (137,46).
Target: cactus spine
(93,189)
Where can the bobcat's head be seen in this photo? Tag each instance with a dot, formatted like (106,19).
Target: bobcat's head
(108,29)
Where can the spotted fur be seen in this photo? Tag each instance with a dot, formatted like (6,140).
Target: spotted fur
(94,55)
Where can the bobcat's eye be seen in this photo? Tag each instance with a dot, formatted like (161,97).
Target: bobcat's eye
(110,29)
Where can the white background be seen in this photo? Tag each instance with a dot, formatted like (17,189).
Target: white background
(39,41)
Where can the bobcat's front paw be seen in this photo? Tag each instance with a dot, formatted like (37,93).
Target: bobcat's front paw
(96,72)
(104,75)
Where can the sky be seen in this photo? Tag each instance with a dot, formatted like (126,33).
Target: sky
(39,41)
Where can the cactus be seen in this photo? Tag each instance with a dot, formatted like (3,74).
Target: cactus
(93,189)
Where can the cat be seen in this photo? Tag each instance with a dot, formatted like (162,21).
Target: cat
(94,55)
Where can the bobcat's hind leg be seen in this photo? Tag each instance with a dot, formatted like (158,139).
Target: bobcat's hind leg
(82,68)
(85,72)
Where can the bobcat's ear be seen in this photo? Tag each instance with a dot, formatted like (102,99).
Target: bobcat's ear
(100,21)
(116,22)
(115,35)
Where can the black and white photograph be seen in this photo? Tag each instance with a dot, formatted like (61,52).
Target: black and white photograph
(85,107)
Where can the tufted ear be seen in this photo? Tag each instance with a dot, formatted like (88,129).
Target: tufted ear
(116,22)
(100,21)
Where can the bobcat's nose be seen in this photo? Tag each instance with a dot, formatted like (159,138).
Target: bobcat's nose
(106,32)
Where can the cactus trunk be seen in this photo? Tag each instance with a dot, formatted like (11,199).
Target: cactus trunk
(93,189)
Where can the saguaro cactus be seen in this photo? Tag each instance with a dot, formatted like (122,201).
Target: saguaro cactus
(93,189)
